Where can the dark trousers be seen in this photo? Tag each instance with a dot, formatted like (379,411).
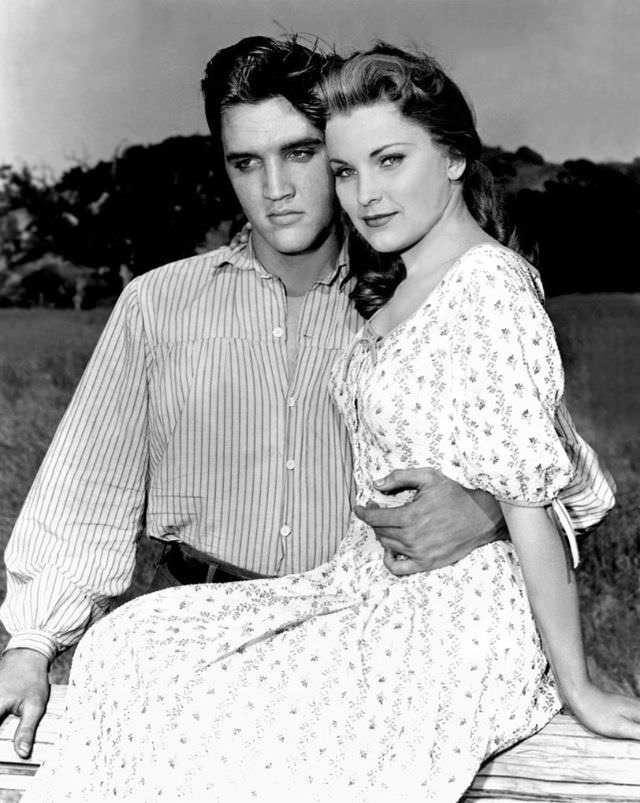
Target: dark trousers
(182,565)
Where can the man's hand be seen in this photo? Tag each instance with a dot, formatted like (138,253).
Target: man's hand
(24,691)
(439,526)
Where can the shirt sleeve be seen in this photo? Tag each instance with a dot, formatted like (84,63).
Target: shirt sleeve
(73,545)
(508,382)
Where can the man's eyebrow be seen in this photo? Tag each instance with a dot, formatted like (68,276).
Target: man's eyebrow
(304,142)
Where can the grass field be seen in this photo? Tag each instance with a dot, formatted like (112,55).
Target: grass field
(600,339)
(42,353)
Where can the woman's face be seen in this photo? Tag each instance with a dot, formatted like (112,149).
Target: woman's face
(391,179)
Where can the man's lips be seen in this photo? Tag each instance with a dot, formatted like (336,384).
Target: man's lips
(376,221)
(282,218)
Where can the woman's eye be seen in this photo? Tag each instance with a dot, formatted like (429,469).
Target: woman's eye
(391,159)
(343,172)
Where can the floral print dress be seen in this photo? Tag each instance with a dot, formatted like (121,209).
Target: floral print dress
(347,683)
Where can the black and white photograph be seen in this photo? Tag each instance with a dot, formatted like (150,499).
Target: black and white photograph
(320,401)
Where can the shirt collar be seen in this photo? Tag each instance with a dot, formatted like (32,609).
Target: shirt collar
(341,269)
(243,257)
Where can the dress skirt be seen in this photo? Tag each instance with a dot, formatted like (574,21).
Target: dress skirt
(344,683)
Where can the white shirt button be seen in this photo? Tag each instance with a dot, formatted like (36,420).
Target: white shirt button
(278,331)
(291,401)
(285,530)
(291,464)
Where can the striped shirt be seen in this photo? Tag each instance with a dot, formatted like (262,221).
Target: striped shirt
(188,425)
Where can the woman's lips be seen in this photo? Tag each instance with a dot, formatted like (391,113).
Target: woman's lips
(376,221)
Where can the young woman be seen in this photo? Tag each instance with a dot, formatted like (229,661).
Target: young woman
(348,683)
(458,362)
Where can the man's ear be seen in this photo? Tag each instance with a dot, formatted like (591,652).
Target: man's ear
(455,167)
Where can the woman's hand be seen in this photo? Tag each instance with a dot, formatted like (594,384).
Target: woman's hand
(552,591)
(606,713)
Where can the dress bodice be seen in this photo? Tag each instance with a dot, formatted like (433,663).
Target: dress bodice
(469,384)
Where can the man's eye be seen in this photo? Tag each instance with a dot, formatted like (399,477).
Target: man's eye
(301,155)
(243,165)
(391,159)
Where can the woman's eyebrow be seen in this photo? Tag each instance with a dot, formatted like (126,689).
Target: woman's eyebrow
(379,150)
(375,152)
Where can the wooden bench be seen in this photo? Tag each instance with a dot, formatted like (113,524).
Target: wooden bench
(562,763)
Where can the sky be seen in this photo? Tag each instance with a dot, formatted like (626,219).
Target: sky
(80,79)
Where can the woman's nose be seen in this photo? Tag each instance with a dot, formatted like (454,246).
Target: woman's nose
(368,191)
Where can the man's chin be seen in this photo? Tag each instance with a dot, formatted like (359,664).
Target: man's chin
(292,242)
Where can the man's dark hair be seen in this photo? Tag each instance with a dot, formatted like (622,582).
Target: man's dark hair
(259,68)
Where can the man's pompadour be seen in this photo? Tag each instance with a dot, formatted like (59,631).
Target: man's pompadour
(259,68)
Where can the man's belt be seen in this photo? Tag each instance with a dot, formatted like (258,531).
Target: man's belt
(189,566)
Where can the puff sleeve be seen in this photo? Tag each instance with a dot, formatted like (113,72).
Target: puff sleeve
(507,382)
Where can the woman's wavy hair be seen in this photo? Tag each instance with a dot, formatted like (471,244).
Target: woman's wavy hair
(416,84)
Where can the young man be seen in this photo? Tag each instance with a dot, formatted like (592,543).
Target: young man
(203,419)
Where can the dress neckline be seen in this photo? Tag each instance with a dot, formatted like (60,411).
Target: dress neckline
(380,338)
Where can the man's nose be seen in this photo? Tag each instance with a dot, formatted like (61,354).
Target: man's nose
(277,183)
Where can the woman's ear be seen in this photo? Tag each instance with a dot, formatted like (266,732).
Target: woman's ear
(455,167)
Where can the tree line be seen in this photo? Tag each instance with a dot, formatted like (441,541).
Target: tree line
(74,240)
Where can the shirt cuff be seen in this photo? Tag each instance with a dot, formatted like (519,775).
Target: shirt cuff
(34,640)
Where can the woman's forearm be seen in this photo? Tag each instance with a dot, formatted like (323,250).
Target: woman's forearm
(552,591)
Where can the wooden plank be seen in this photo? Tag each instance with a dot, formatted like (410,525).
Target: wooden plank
(40,753)
(568,797)
(480,796)
(613,749)
(19,783)
(535,789)
(564,762)
(582,770)
(557,758)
